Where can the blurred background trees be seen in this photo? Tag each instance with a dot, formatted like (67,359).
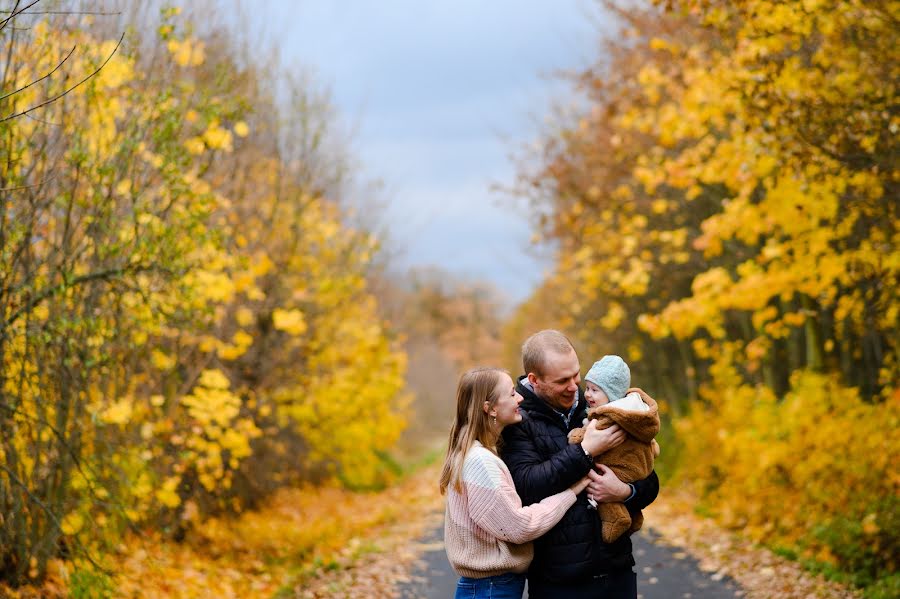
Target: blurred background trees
(194,315)
(187,320)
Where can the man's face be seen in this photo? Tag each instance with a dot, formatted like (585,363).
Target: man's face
(558,385)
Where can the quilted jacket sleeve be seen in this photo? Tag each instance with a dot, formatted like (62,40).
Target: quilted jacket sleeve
(645,492)
(535,477)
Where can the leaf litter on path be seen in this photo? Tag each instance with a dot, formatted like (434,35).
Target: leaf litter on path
(720,552)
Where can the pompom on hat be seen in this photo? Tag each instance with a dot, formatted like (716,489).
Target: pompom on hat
(611,374)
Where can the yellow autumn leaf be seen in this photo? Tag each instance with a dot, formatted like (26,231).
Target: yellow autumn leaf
(119,412)
(231,352)
(40,312)
(195,145)
(217,137)
(245,316)
(160,360)
(123,188)
(289,321)
(72,523)
(212,378)
(242,339)
(167,494)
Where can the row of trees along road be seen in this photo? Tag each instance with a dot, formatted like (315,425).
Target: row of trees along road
(724,201)
(185,317)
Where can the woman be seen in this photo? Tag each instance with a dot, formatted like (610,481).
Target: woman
(487,532)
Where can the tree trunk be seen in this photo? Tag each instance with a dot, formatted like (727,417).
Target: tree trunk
(814,360)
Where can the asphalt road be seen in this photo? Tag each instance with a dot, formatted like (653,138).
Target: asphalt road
(663,573)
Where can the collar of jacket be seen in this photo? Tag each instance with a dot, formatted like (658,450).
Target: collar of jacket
(537,407)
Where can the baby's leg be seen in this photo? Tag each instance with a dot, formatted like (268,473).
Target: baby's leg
(615,519)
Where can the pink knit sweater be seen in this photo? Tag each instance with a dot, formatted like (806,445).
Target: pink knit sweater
(486,529)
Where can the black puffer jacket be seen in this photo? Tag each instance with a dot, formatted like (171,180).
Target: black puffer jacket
(542,463)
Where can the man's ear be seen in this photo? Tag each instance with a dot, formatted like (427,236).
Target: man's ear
(532,378)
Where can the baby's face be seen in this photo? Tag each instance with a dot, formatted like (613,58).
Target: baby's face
(594,395)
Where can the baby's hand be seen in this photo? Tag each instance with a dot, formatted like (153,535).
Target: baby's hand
(576,435)
(593,412)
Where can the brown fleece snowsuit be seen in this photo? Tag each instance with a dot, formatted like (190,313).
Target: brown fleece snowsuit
(631,461)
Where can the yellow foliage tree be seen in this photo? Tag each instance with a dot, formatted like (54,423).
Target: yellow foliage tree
(174,300)
(725,216)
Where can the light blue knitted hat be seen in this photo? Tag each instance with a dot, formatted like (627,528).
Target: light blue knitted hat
(611,374)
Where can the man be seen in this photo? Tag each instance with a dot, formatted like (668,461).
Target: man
(571,560)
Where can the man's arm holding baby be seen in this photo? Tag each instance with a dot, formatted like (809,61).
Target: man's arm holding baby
(606,487)
(536,477)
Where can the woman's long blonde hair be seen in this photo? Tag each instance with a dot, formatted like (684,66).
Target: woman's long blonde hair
(472,423)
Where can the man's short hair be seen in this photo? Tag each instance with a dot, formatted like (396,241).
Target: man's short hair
(536,348)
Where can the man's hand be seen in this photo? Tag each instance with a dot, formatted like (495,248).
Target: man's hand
(606,487)
(596,441)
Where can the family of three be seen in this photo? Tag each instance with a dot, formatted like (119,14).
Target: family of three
(536,471)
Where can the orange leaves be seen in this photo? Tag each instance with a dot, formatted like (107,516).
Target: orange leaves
(297,538)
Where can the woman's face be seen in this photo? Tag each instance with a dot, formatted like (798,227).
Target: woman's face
(506,409)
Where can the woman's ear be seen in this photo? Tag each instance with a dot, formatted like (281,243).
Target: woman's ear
(487,406)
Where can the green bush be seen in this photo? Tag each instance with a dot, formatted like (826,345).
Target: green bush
(866,548)
(90,584)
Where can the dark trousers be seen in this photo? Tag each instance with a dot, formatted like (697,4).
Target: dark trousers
(615,585)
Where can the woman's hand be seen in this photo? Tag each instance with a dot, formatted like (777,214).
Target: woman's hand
(580,485)
(596,441)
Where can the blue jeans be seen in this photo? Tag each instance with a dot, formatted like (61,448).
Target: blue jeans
(502,586)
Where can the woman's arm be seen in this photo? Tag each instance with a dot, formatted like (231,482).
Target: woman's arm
(495,507)
(537,477)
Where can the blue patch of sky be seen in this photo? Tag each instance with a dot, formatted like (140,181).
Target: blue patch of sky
(439,95)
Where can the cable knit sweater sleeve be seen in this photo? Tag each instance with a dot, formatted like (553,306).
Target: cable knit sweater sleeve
(495,506)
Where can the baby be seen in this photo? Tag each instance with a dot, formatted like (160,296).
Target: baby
(606,385)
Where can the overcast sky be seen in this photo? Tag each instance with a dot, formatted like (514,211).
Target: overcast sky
(439,93)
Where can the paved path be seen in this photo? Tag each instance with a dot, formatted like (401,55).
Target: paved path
(663,573)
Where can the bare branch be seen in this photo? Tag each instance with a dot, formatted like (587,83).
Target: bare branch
(36,500)
(44,122)
(56,68)
(58,96)
(66,12)
(101,275)
(15,13)
(33,185)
